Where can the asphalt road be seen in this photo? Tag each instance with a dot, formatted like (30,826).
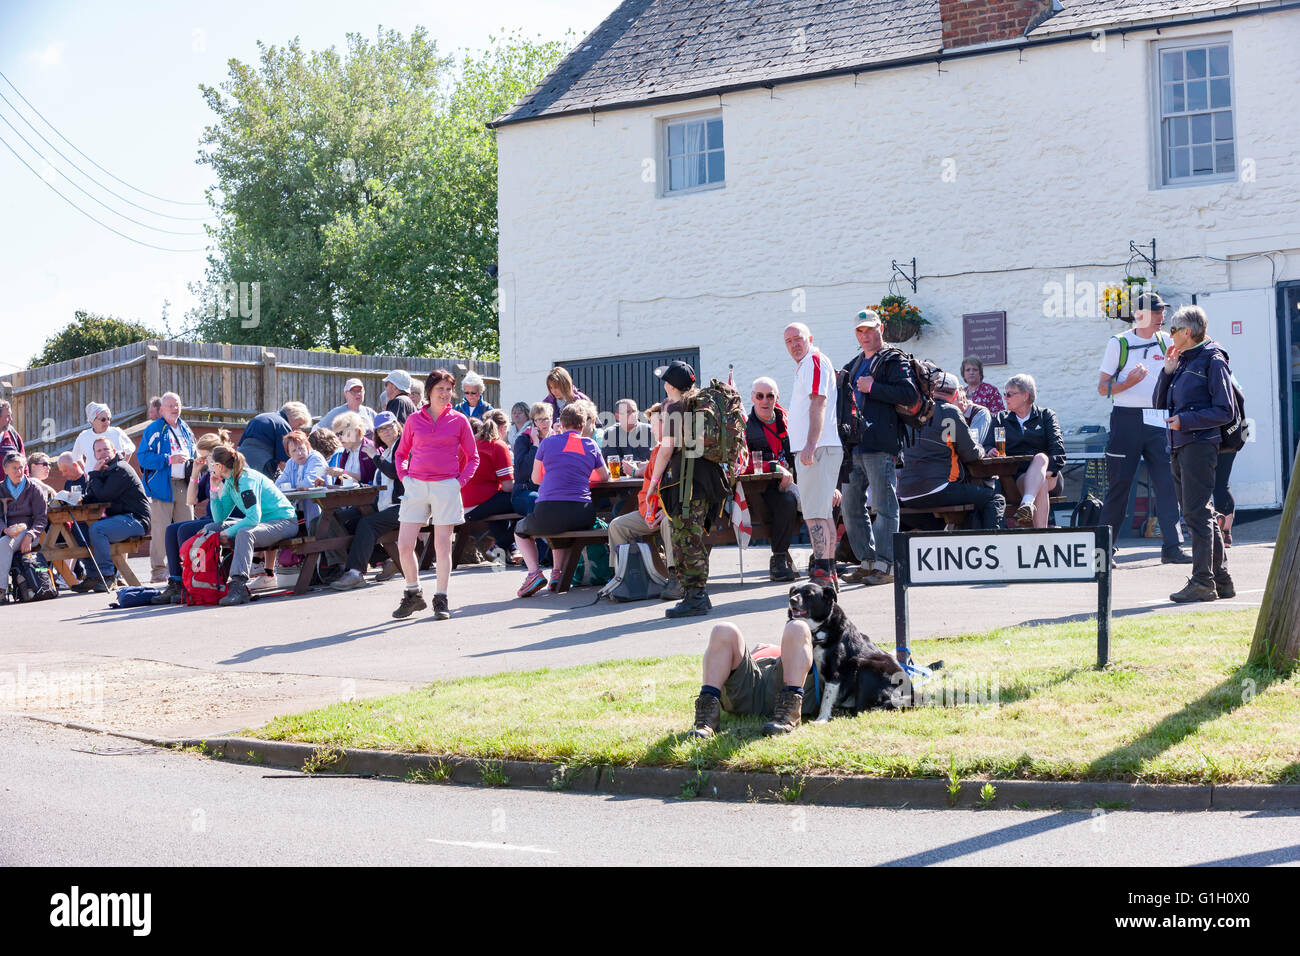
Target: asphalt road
(160,808)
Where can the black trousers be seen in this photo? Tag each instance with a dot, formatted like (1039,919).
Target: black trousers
(1224,503)
(783,508)
(990,506)
(366,532)
(1131,440)
(1194,469)
(498,504)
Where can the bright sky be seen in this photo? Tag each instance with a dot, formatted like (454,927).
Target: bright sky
(121,82)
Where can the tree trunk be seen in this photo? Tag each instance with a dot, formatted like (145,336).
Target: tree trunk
(1277,633)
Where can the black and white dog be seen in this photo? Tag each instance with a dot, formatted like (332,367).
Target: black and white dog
(845,658)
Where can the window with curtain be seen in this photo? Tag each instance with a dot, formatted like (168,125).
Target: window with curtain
(693,154)
(1197,142)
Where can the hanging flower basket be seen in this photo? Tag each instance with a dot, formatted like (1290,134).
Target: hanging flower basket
(1119,301)
(901,320)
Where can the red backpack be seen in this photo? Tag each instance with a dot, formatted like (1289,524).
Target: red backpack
(203,573)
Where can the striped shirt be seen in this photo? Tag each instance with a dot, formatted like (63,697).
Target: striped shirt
(815,375)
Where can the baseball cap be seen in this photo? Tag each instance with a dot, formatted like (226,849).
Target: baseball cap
(352,383)
(945,382)
(869,318)
(677,374)
(400,380)
(1150,301)
(382,419)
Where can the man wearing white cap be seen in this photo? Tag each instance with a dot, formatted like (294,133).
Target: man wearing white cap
(100,416)
(355,394)
(397,395)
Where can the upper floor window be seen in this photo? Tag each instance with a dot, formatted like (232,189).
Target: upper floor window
(693,153)
(1197,143)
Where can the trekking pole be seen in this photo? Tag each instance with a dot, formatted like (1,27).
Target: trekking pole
(76,532)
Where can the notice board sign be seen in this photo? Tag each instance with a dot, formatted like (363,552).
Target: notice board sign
(984,335)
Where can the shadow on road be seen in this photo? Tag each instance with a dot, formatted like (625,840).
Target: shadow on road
(986,841)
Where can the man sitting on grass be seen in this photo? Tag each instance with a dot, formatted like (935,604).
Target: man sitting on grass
(767,680)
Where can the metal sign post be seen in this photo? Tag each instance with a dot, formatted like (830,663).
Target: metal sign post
(1018,556)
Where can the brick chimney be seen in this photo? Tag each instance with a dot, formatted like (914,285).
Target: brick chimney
(970,22)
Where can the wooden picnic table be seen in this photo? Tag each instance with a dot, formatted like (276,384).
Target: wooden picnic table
(330,534)
(1004,468)
(60,546)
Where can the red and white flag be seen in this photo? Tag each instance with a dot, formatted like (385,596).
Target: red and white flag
(740,517)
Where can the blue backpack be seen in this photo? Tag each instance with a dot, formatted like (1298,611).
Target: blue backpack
(135,597)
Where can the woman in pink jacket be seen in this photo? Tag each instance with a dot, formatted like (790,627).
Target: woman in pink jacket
(434,459)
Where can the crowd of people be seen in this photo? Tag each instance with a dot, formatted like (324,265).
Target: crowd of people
(851,456)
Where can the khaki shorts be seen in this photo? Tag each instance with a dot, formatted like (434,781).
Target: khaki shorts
(431,502)
(752,688)
(817,483)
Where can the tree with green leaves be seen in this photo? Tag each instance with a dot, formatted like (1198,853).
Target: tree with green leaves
(89,333)
(359,192)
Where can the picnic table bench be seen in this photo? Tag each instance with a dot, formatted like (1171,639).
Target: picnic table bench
(60,546)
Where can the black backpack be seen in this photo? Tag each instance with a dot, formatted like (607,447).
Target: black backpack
(35,579)
(1232,436)
(847,417)
(635,577)
(1087,513)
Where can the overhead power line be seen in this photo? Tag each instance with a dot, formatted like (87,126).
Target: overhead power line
(138,242)
(174,202)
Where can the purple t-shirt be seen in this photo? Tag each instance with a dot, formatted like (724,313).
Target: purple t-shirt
(569,460)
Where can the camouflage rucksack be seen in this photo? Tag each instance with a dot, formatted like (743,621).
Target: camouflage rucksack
(718,429)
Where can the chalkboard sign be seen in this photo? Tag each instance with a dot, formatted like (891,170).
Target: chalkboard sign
(1095,480)
(984,335)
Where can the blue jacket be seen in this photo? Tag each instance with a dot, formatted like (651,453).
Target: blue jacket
(267,429)
(155,448)
(1199,392)
(479,409)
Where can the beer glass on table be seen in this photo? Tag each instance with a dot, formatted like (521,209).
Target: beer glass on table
(1000,439)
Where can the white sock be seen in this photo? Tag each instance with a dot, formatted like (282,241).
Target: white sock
(1026,500)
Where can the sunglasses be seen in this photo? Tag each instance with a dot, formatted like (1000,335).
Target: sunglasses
(1009,394)
(1177,328)
(104,418)
(763,396)
(541,421)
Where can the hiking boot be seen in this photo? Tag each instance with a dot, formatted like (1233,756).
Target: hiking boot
(1175,556)
(694,604)
(412,601)
(237,593)
(1194,591)
(389,571)
(789,705)
(823,573)
(1223,585)
(169,595)
(348,580)
(781,568)
(673,589)
(89,586)
(708,716)
(440,610)
(1024,517)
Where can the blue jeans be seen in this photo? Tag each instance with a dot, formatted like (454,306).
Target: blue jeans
(106,531)
(873,546)
(176,535)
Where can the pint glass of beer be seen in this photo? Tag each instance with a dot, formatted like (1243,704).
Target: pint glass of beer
(613,461)
(1000,439)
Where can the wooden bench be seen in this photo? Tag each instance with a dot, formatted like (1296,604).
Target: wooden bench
(60,556)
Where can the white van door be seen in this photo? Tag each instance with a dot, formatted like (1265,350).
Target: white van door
(1244,322)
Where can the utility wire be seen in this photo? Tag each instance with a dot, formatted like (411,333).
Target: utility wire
(174,202)
(129,202)
(143,225)
(138,242)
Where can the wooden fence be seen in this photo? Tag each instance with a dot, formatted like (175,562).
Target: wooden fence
(218,384)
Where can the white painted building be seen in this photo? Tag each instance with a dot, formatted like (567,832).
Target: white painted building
(696,175)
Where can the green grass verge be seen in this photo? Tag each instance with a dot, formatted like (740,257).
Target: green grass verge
(1177,704)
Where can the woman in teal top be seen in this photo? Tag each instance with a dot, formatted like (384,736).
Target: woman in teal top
(268,517)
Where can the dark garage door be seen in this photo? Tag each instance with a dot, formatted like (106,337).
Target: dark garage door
(606,380)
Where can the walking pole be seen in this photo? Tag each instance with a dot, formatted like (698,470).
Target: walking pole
(76,531)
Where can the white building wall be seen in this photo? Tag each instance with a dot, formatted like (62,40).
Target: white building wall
(826,182)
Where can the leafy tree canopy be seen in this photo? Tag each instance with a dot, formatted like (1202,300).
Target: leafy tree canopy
(89,333)
(359,190)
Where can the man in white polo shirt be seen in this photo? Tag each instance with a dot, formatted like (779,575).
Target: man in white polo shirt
(815,440)
(1129,370)
(354,394)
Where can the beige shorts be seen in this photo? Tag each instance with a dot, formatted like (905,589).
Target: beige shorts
(817,483)
(431,502)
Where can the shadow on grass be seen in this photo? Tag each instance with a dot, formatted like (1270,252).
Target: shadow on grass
(1246,682)
(1024,692)
(987,841)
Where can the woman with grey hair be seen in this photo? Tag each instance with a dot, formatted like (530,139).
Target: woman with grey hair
(475,403)
(1195,388)
(1036,432)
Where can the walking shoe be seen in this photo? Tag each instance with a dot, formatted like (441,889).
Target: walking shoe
(876,576)
(1223,585)
(389,571)
(440,610)
(1194,591)
(1175,556)
(694,604)
(169,594)
(89,586)
(823,573)
(159,576)
(264,582)
(1025,515)
(708,716)
(237,593)
(781,568)
(515,557)
(412,601)
(535,581)
(673,589)
(789,706)
(348,580)
(857,575)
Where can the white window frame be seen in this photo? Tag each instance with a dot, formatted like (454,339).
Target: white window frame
(1158,153)
(665,179)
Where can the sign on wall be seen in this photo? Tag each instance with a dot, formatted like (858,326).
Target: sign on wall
(984,335)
